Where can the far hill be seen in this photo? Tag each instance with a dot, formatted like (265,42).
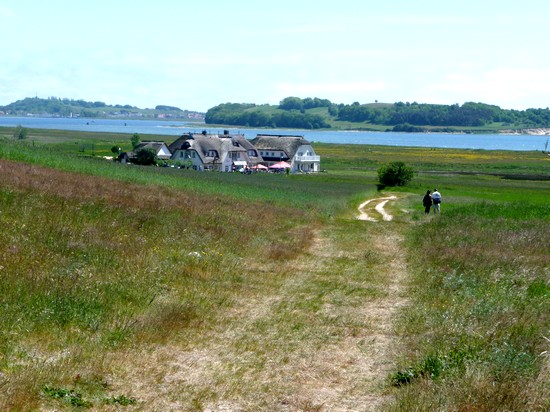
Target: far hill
(57,107)
(315,113)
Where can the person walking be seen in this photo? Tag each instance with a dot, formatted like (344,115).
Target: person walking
(436,198)
(427,202)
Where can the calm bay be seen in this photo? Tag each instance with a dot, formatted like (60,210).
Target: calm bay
(177,128)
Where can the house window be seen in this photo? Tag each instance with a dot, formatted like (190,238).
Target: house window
(235,155)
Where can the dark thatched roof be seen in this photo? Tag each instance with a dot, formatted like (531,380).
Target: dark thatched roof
(211,147)
(286,143)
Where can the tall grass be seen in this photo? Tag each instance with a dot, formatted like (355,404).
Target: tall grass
(89,266)
(104,265)
(345,157)
(322,193)
(478,328)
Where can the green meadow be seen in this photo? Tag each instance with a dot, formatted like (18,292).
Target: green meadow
(146,288)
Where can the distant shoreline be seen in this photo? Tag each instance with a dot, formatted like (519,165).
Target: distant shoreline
(531,132)
(198,123)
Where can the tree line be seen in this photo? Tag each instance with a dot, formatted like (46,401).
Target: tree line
(64,107)
(469,114)
(250,115)
(56,105)
(296,112)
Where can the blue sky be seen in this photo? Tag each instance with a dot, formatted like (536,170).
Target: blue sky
(196,55)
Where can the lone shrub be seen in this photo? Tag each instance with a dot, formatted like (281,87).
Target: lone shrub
(395,174)
(145,157)
(135,140)
(20,133)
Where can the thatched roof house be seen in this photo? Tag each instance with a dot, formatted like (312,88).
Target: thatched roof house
(293,149)
(215,152)
(275,148)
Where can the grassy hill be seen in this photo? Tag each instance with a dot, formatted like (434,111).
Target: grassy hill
(309,113)
(80,108)
(167,289)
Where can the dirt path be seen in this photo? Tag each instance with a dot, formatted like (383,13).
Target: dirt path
(299,347)
(351,376)
(379,202)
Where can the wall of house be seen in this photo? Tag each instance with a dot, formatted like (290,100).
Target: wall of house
(164,152)
(184,155)
(306,160)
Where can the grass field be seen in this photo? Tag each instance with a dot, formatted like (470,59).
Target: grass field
(149,288)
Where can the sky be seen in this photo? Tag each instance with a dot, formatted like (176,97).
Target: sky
(198,54)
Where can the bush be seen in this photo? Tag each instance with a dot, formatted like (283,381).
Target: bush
(395,174)
(145,157)
(20,133)
(135,140)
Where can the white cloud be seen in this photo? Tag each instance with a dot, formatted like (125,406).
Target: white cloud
(6,12)
(427,20)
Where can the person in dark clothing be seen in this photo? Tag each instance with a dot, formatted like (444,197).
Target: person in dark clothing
(427,202)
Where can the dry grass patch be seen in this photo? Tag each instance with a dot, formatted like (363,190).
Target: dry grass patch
(94,271)
(309,338)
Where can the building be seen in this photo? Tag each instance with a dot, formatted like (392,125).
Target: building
(159,148)
(224,153)
(294,150)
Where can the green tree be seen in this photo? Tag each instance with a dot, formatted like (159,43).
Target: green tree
(20,133)
(395,174)
(115,150)
(146,157)
(135,140)
(291,103)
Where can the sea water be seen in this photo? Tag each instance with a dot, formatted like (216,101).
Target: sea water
(177,128)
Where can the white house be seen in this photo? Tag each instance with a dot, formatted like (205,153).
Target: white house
(294,150)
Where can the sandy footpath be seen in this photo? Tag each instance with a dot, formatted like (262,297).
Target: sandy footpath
(379,209)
